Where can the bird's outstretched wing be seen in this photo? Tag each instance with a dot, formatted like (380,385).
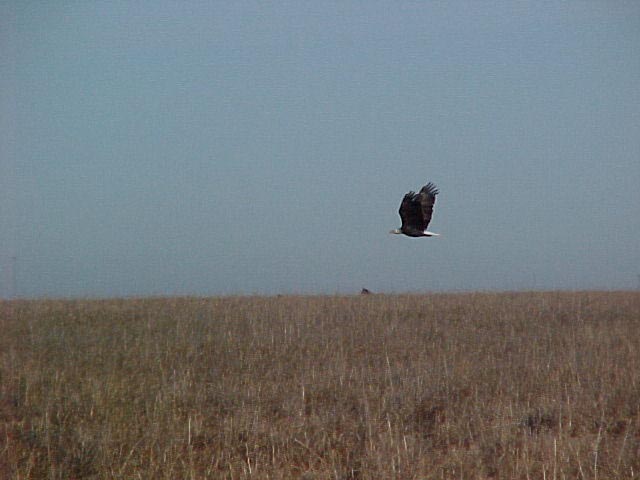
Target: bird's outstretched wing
(411,212)
(427,198)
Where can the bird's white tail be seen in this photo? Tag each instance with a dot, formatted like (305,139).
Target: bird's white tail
(431,234)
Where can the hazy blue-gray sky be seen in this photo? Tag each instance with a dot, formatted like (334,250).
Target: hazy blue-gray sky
(163,147)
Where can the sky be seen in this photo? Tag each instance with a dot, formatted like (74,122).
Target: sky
(216,148)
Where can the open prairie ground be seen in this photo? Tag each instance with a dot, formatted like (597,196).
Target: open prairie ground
(460,386)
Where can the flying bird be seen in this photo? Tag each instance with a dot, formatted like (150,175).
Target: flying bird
(416,210)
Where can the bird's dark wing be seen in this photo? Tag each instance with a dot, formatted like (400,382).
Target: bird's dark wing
(411,212)
(427,198)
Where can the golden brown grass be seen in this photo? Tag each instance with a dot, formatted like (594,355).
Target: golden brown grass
(508,385)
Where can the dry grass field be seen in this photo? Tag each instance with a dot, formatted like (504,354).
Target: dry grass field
(459,386)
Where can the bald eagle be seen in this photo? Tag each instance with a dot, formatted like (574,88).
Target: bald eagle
(416,210)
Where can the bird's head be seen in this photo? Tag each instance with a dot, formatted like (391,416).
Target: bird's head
(397,231)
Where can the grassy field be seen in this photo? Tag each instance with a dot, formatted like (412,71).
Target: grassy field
(464,386)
